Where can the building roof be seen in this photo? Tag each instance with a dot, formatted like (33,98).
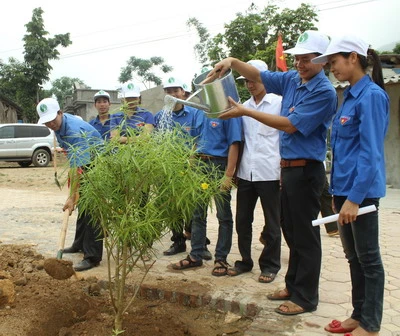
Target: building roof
(390,76)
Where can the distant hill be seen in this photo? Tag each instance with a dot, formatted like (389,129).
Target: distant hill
(387,47)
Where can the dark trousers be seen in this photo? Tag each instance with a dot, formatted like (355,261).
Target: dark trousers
(360,240)
(246,198)
(88,238)
(301,194)
(326,207)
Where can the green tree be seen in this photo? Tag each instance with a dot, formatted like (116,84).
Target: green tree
(142,70)
(396,49)
(26,78)
(137,193)
(63,87)
(253,34)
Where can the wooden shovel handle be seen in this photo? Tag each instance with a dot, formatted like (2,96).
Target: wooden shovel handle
(63,233)
(55,154)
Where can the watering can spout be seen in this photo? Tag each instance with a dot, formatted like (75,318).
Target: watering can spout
(172,101)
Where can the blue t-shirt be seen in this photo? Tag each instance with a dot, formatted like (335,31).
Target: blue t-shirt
(139,119)
(309,107)
(103,129)
(357,139)
(218,135)
(189,120)
(77,136)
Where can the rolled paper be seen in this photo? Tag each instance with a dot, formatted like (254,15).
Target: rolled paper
(334,218)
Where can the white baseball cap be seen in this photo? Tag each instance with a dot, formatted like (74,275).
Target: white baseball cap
(101,93)
(310,42)
(346,43)
(173,82)
(130,90)
(258,64)
(47,110)
(186,88)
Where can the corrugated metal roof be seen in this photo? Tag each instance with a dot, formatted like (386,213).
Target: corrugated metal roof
(389,76)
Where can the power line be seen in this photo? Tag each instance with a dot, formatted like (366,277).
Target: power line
(347,5)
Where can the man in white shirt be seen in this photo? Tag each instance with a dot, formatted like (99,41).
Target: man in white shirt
(258,177)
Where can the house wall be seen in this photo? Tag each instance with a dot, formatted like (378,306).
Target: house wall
(8,112)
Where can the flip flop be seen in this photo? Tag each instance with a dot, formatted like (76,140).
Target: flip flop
(335,327)
(269,275)
(280,294)
(292,309)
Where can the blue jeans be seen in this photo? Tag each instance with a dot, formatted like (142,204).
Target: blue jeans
(360,240)
(225,220)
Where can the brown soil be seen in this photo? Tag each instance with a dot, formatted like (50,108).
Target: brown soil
(41,305)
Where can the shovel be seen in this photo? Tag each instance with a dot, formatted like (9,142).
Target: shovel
(55,162)
(56,267)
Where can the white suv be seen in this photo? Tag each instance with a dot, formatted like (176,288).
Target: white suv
(26,144)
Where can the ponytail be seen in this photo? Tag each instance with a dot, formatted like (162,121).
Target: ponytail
(373,60)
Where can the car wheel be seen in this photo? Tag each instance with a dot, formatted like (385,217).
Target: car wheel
(25,164)
(41,158)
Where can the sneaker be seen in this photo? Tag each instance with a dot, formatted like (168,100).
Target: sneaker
(175,249)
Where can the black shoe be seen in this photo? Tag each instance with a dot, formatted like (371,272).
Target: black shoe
(176,248)
(206,254)
(84,265)
(71,249)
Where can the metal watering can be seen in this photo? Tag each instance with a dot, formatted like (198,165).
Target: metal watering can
(213,96)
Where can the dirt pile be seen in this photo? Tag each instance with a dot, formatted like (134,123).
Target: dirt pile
(33,303)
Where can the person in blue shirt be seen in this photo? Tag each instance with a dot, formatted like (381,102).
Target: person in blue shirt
(358,176)
(308,104)
(190,121)
(218,147)
(102,121)
(134,116)
(102,124)
(79,139)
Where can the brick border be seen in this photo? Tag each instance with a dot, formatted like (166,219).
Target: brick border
(199,300)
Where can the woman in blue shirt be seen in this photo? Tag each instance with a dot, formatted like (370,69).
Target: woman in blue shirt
(358,177)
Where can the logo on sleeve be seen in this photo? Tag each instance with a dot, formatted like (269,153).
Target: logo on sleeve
(344,120)
(214,124)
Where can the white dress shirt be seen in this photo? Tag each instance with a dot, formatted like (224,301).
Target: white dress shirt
(260,159)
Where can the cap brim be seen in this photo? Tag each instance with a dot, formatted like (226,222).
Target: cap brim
(48,117)
(320,59)
(300,51)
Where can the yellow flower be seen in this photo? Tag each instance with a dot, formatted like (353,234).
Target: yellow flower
(204,186)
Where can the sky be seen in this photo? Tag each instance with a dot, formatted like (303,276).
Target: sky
(105,34)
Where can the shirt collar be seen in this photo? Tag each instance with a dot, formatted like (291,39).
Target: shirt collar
(357,88)
(312,83)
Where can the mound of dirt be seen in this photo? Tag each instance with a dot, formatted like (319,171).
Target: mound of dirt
(33,303)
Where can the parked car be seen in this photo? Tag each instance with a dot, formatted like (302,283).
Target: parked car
(26,144)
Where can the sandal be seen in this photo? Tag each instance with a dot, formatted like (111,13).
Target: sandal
(266,277)
(220,265)
(234,271)
(187,263)
(280,294)
(291,308)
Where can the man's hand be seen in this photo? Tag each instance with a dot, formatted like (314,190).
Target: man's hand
(236,110)
(348,212)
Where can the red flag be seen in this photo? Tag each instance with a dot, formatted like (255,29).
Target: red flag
(280,56)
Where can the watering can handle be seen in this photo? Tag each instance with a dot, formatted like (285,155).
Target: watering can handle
(211,78)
